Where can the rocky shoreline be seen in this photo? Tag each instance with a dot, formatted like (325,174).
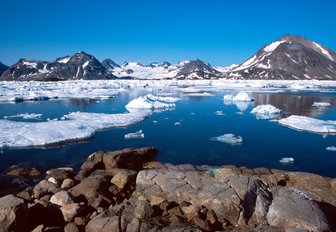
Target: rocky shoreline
(127,190)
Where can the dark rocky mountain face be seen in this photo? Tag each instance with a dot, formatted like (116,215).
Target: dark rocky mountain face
(198,69)
(110,64)
(163,64)
(79,66)
(3,68)
(290,57)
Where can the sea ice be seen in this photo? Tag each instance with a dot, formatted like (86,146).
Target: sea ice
(152,102)
(287,160)
(241,96)
(321,104)
(25,116)
(305,123)
(266,112)
(229,139)
(219,113)
(136,135)
(177,123)
(74,126)
(332,148)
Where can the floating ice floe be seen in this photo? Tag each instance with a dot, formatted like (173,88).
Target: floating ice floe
(152,102)
(219,113)
(177,123)
(332,148)
(136,135)
(266,112)
(287,160)
(321,104)
(229,139)
(74,126)
(241,96)
(305,123)
(25,116)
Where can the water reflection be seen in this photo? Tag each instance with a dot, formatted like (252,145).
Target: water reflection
(294,104)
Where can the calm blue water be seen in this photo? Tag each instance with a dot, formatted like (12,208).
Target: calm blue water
(264,142)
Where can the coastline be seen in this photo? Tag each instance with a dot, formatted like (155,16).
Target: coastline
(128,189)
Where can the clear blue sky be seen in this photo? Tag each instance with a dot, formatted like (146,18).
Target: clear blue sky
(218,31)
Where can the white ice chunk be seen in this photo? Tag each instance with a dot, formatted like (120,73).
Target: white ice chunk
(152,102)
(177,123)
(266,111)
(74,126)
(25,116)
(305,123)
(136,135)
(241,96)
(219,113)
(321,104)
(229,139)
(287,160)
(332,148)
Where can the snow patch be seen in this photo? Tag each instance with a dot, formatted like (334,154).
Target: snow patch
(324,51)
(229,139)
(64,60)
(271,47)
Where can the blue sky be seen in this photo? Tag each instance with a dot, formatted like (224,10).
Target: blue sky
(220,32)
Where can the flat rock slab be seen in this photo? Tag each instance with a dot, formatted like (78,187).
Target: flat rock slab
(238,199)
(292,209)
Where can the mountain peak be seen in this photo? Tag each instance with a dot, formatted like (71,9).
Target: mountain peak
(289,57)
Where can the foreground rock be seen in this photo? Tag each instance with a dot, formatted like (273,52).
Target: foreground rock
(13,214)
(293,209)
(127,190)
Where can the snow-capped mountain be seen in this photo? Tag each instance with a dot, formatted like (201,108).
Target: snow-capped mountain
(163,70)
(198,69)
(155,70)
(79,66)
(3,68)
(289,57)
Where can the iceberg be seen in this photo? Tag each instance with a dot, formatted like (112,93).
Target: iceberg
(305,123)
(229,139)
(266,112)
(332,148)
(73,127)
(241,96)
(321,104)
(287,160)
(136,135)
(152,102)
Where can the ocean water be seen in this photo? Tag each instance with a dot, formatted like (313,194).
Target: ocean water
(265,142)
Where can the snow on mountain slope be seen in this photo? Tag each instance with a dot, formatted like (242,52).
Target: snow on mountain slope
(290,57)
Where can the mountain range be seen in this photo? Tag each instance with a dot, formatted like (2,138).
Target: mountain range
(288,58)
